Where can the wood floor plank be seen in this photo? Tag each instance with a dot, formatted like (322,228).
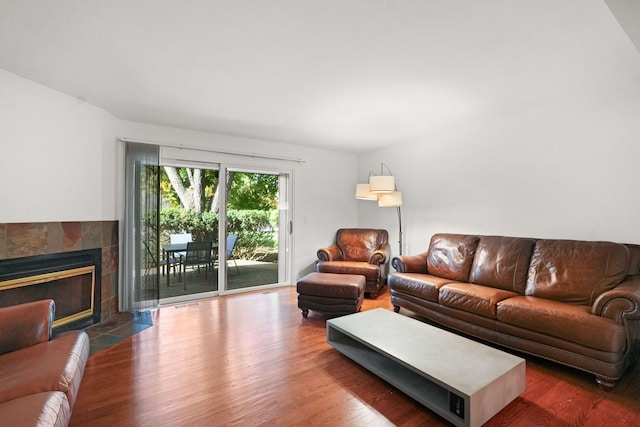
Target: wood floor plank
(251,359)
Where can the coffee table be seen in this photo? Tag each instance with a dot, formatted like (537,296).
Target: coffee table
(463,381)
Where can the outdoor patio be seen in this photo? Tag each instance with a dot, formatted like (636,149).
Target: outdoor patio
(248,274)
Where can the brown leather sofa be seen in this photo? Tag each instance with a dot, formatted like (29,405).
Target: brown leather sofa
(572,302)
(40,376)
(360,251)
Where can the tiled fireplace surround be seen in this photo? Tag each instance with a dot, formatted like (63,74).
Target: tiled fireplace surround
(42,238)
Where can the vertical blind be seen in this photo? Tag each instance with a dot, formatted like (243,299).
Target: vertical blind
(141,263)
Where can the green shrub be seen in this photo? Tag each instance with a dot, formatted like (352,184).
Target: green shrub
(256,229)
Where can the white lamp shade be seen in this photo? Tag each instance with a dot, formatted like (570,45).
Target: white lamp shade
(363,193)
(382,183)
(389,200)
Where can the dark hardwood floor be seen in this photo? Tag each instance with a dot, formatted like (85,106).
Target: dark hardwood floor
(251,359)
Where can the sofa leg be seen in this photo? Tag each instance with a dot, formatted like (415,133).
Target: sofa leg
(396,308)
(605,384)
(305,312)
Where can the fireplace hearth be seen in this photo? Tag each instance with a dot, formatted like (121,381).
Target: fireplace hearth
(71,279)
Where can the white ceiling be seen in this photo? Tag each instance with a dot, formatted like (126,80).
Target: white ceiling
(351,75)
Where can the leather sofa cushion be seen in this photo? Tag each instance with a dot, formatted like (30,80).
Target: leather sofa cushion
(56,365)
(39,409)
(451,255)
(569,322)
(477,299)
(421,285)
(502,262)
(575,271)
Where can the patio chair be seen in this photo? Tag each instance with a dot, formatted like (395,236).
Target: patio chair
(231,244)
(181,238)
(199,254)
(171,263)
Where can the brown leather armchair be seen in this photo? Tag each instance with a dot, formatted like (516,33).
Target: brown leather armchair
(362,251)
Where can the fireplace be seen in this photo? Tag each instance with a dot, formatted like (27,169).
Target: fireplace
(71,279)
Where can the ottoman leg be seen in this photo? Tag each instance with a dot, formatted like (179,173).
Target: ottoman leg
(305,312)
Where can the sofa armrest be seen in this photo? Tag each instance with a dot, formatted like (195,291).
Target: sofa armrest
(380,256)
(332,253)
(621,302)
(410,263)
(25,325)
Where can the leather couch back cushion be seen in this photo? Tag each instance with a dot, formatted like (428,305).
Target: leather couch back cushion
(451,255)
(575,271)
(357,244)
(634,263)
(502,262)
(33,330)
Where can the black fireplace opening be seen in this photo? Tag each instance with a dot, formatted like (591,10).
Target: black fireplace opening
(71,279)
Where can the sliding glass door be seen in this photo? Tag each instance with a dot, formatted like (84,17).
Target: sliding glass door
(255,236)
(201,224)
(219,235)
(189,229)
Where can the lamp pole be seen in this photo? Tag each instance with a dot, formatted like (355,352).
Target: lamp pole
(399,229)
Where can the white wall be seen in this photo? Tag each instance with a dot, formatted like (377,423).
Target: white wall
(323,182)
(567,169)
(61,161)
(53,165)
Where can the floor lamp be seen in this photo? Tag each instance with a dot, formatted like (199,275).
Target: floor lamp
(383,189)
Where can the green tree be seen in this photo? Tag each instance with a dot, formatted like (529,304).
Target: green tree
(193,196)
(197,189)
(253,191)
(191,188)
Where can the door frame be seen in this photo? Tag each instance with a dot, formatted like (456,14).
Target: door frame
(215,160)
(285,229)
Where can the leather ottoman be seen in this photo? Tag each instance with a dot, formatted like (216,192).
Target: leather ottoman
(330,293)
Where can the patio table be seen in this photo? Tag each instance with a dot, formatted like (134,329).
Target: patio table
(172,248)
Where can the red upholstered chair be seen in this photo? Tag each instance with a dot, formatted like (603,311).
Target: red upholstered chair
(362,251)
